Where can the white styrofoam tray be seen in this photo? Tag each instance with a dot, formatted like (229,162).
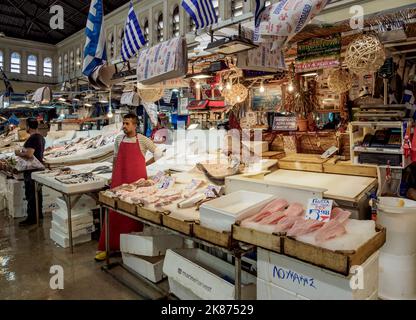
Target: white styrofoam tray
(63,241)
(206,276)
(313,282)
(149,267)
(152,242)
(220,214)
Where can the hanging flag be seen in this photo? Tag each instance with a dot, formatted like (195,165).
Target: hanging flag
(201,11)
(260,6)
(133,39)
(7,84)
(95,53)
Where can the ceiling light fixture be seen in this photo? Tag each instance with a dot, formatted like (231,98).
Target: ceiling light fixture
(262,89)
(231,45)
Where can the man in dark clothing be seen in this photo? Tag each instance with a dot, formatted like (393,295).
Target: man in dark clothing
(33,147)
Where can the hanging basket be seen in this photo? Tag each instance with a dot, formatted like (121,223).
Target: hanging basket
(365,54)
(237,94)
(150,95)
(340,80)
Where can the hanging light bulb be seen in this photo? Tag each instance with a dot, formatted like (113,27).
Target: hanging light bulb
(198,85)
(110,113)
(221,87)
(229,85)
(262,89)
(238,99)
(290,88)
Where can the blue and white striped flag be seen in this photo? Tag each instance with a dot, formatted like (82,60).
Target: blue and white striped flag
(260,6)
(201,11)
(133,39)
(95,52)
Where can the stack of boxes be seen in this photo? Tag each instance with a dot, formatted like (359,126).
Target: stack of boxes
(15,198)
(144,252)
(82,222)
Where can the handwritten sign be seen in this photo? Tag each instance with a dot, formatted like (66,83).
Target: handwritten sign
(167,96)
(292,276)
(319,209)
(281,123)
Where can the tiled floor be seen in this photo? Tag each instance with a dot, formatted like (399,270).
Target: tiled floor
(27,254)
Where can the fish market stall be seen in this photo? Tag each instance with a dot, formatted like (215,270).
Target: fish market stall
(73,183)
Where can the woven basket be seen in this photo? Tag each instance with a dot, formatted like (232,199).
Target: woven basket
(150,95)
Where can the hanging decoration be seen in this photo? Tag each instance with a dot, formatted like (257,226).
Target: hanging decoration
(236,94)
(340,80)
(150,95)
(365,54)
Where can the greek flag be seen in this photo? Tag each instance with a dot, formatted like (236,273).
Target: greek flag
(260,6)
(133,39)
(201,11)
(95,52)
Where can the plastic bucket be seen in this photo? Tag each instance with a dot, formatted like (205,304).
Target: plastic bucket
(397,277)
(400,223)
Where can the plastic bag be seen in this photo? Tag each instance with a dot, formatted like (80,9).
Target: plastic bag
(23,164)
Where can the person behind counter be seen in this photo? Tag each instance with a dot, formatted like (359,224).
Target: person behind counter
(33,147)
(129,166)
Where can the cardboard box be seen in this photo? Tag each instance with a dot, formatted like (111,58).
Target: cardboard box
(206,276)
(149,267)
(152,242)
(313,282)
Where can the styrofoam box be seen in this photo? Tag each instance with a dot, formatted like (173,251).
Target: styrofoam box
(152,242)
(314,283)
(84,204)
(180,291)
(63,241)
(76,232)
(16,188)
(61,217)
(149,267)
(17,209)
(3,201)
(270,291)
(203,274)
(220,214)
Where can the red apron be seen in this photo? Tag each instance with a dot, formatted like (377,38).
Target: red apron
(130,166)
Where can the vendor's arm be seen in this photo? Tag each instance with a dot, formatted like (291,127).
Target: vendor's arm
(117,142)
(26,153)
(149,145)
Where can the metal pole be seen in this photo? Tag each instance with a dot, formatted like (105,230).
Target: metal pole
(69,212)
(237,285)
(37,203)
(107,235)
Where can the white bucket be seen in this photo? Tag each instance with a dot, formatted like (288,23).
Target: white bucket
(400,223)
(397,277)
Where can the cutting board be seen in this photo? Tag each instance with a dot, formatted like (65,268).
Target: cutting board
(341,187)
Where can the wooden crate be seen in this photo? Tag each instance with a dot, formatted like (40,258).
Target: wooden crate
(222,239)
(185,227)
(126,207)
(302,162)
(111,202)
(152,216)
(346,167)
(273,155)
(268,241)
(338,261)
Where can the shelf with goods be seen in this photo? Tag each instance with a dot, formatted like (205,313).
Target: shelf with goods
(394,153)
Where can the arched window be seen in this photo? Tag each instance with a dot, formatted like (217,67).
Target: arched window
(32,64)
(175,22)
(267,3)
(1,58)
(159,28)
(110,44)
(66,71)
(237,8)
(15,62)
(146,31)
(60,65)
(71,62)
(47,67)
(78,59)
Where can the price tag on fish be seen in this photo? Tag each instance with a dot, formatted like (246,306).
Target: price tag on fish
(319,209)
(212,191)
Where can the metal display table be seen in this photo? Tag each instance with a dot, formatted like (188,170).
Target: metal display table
(237,253)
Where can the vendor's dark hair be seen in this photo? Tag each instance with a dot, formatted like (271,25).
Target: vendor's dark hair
(32,123)
(131,116)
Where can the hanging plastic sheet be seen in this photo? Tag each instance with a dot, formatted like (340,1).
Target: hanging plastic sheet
(42,95)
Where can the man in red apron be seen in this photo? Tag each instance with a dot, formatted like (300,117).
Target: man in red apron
(129,166)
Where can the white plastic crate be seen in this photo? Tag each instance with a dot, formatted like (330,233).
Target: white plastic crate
(149,267)
(206,276)
(220,214)
(152,242)
(313,282)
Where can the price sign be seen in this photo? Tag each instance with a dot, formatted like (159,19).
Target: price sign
(167,96)
(319,209)
(281,123)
